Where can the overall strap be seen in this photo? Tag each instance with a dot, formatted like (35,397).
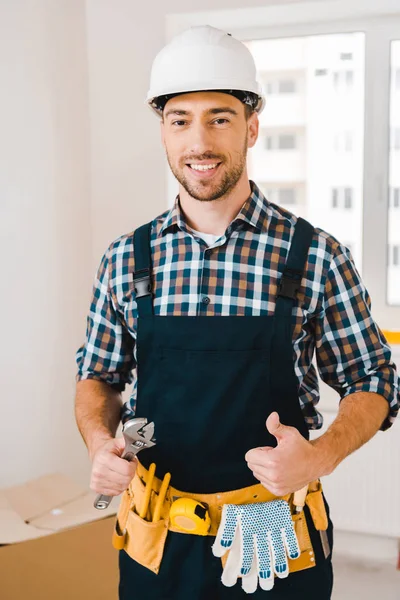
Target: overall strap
(294,268)
(284,383)
(142,274)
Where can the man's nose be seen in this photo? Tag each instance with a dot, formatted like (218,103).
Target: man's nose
(201,141)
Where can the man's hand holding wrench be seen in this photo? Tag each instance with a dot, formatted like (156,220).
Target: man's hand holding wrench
(114,463)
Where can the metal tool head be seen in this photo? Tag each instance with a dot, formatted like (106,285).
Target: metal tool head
(138,434)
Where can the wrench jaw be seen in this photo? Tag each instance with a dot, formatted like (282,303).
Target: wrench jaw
(138,434)
(133,425)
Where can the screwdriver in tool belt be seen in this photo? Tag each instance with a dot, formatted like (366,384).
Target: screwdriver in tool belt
(148,490)
(161,497)
(299,498)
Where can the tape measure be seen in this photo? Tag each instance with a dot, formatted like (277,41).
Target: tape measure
(190,516)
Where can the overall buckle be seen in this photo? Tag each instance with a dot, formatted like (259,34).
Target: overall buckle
(142,283)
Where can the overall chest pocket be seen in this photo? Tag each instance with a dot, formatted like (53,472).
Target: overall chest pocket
(209,386)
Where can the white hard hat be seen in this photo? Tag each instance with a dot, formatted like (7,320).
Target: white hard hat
(204,58)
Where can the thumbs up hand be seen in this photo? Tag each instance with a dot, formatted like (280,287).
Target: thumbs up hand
(288,467)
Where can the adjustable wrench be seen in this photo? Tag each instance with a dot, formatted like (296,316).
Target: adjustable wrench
(138,435)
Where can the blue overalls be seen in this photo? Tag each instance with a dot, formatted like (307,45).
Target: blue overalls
(209,384)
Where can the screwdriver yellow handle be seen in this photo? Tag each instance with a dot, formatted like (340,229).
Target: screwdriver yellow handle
(147,494)
(161,497)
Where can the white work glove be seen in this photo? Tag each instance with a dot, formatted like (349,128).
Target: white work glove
(259,537)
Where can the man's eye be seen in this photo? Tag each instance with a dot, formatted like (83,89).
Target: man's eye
(221,121)
(178,123)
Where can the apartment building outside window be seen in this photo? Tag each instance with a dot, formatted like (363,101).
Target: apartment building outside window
(282,141)
(395,197)
(342,197)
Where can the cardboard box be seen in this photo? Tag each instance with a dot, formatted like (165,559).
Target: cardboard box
(54,544)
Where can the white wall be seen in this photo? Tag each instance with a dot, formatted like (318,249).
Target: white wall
(45,232)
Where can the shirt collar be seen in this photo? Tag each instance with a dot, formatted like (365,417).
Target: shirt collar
(253,212)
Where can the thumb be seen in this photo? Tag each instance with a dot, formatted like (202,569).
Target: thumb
(276,428)
(118,446)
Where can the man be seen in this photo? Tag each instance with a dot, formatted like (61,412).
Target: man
(241,295)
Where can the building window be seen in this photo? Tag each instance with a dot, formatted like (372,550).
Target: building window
(268,87)
(335,202)
(287,86)
(342,198)
(348,198)
(395,255)
(349,78)
(343,80)
(320,72)
(269,142)
(287,142)
(397,80)
(348,141)
(287,196)
(395,138)
(346,56)
(395,193)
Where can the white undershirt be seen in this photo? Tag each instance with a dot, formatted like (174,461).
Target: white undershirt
(209,238)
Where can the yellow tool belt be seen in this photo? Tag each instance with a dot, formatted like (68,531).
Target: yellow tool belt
(144,540)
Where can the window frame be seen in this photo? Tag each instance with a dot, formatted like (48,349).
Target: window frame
(381,26)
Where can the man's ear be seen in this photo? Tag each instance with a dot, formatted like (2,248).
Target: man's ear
(252,129)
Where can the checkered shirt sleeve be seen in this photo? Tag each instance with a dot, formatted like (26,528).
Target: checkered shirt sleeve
(352,353)
(108,352)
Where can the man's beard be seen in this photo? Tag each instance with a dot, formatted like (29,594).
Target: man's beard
(204,191)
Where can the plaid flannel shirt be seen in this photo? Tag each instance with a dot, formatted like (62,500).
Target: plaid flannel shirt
(239,275)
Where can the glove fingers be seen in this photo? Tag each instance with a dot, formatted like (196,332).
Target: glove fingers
(250,581)
(264,566)
(232,567)
(279,559)
(248,553)
(226,530)
(291,542)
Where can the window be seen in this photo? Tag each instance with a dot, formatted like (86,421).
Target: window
(394,255)
(346,56)
(349,78)
(342,198)
(286,142)
(348,141)
(287,196)
(268,142)
(343,142)
(319,189)
(348,198)
(286,86)
(268,87)
(395,137)
(393,274)
(335,202)
(343,80)
(311,46)
(395,197)
(397,80)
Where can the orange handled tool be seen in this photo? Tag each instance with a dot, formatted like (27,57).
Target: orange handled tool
(148,489)
(161,497)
